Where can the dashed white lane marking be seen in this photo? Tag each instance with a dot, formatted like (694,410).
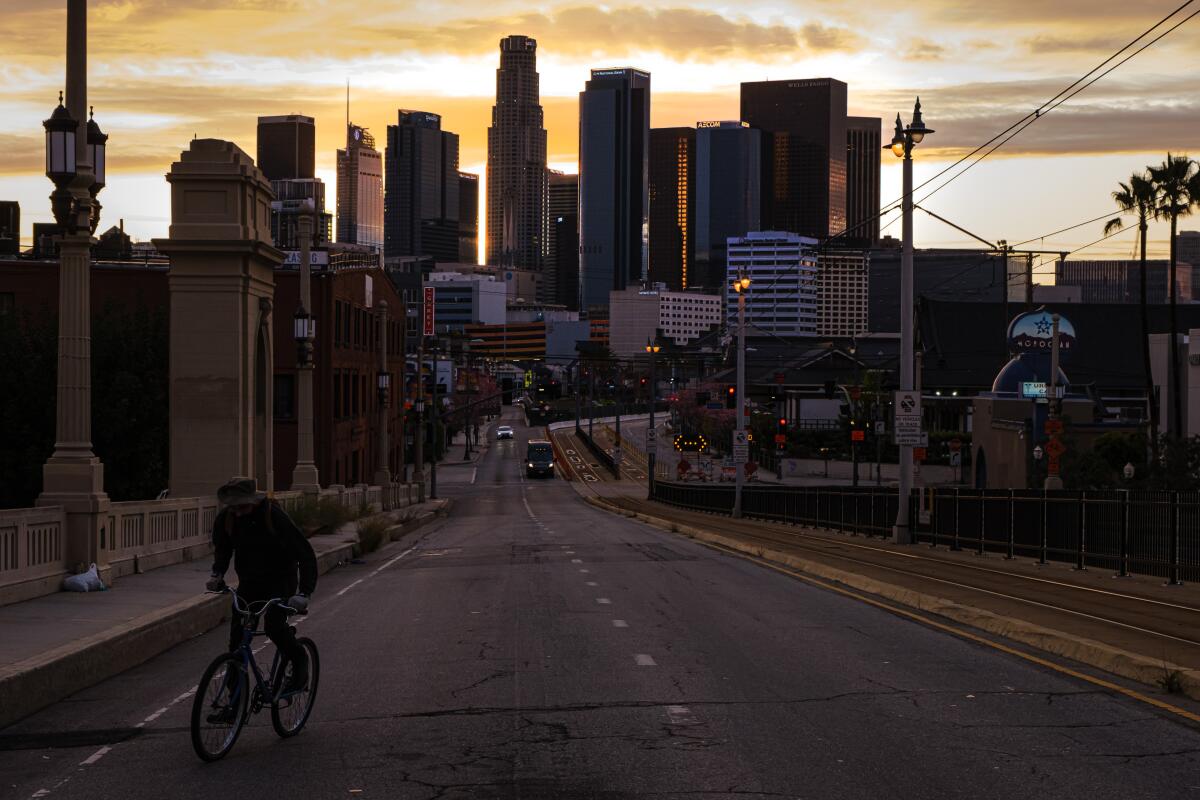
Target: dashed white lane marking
(576,560)
(40,793)
(348,588)
(644,660)
(94,757)
(592,583)
(474,474)
(604,601)
(584,571)
(389,563)
(620,623)
(570,552)
(156,714)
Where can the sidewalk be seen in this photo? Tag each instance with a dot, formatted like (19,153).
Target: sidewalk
(1133,627)
(454,449)
(53,646)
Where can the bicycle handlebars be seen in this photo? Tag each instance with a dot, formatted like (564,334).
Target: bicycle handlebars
(242,607)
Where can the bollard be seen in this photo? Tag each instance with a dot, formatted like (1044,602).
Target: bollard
(1082,547)
(954,544)
(1012,524)
(1123,566)
(982,520)
(1173,545)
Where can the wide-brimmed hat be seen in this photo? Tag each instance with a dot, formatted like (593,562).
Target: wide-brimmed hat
(239,492)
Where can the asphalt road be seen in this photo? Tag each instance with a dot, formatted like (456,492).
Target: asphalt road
(531,646)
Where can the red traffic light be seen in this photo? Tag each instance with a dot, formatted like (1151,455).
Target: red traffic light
(732,389)
(782,422)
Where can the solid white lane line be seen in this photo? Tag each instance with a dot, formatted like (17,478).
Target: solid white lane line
(604,601)
(644,660)
(94,757)
(620,623)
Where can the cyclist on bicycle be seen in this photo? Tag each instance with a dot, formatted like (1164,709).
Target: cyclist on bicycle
(269,550)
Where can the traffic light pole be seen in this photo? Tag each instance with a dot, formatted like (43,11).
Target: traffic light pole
(740,469)
(652,438)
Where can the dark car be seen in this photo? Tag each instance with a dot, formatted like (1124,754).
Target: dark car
(539,459)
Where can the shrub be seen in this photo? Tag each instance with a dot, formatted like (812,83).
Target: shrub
(372,533)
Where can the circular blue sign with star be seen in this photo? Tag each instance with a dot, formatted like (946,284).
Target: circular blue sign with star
(1033,332)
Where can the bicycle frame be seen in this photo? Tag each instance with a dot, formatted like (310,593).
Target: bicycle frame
(251,619)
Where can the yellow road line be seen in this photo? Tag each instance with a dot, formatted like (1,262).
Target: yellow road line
(1135,695)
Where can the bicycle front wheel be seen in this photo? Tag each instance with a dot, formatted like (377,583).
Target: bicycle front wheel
(220,707)
(290,710)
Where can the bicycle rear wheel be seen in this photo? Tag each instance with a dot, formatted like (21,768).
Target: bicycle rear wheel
(290,711)
(220,708)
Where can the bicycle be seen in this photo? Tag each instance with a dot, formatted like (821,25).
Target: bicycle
(224,699)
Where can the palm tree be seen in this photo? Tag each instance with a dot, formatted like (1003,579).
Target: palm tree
(1176,190)
(1137,197)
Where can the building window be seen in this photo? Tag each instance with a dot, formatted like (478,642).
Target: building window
(285,396)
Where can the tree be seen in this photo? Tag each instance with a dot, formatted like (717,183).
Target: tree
(1176,189)
(1137,197)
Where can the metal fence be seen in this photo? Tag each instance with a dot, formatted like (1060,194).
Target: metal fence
(1149,533)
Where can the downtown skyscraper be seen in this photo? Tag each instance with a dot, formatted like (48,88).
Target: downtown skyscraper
(614,190)
(672,177)
(804,153)
(360,190)
(864,144)
(421,184)
(516,166)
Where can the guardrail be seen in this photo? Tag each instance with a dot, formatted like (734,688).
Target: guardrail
(31,550)
(1148,533)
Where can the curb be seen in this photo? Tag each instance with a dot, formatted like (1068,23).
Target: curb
(1134,666)
(31,685)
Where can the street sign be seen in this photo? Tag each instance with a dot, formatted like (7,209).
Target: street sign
(430,296)
(918,454)
(858,436)
(651,436)
(908,408)
(741,447)
(912,439)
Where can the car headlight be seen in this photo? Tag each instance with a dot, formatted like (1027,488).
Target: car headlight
(550,465)
(531,465)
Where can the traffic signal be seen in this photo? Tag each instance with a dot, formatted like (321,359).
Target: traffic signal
(731,397)
(781,434)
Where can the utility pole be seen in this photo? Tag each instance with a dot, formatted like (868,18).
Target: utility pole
(419,433)
(1053,479)
(383,475)
(435,419)
(1029,281)
(304,476)
(741,285)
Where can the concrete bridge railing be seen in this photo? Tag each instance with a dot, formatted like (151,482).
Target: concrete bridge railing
(142,535)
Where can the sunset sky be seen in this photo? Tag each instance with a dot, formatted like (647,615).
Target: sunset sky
(162,71)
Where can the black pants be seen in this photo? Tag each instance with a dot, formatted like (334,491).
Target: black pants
(278,631)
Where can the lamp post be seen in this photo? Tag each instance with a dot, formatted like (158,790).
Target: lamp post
(652,347)
(468,409)
(383,475)
(304,329)
(73,477)
(740,286)
(902,144)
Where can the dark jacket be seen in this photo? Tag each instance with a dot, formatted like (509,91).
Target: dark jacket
(268,550)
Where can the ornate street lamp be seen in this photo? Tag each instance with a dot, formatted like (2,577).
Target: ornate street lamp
(903,141)
(96,142)
(60,162)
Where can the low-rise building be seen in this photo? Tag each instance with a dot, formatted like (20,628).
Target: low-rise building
(466,299)
(638,315)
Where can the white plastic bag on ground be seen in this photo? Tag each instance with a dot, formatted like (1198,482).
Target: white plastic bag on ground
(85,582)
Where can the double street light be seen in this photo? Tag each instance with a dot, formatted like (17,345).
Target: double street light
(62,168)
(903,141)
(652,348)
